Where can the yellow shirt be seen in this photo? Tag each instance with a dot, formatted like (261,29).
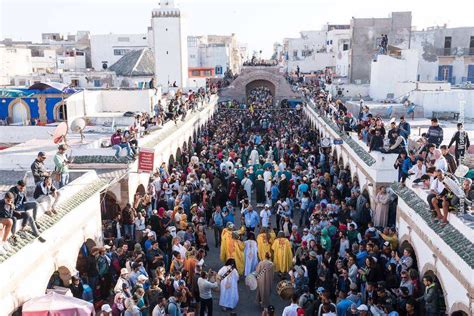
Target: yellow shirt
(264,245)
(225,236)
(282,255)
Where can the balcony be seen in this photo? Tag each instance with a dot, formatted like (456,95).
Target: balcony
(455,51)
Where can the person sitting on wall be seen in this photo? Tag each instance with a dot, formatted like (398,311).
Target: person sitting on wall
(8,214)
(47,189)
(118,142)
(376,141)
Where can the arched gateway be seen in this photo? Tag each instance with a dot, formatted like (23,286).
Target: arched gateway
(252,77)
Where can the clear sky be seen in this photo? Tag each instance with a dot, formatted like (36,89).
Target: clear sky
(259,23)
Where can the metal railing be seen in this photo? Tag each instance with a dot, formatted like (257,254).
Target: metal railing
(455,51)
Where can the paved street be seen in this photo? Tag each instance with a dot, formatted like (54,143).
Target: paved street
(247,303)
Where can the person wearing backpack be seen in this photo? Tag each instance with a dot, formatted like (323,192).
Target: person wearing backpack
(217,221)
(172,308)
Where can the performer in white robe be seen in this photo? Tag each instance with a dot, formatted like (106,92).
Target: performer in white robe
(254,156)
(229,294)
(251,254)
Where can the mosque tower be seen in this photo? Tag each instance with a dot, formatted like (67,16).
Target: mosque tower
(170,45)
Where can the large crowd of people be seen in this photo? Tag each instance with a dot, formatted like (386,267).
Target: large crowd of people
(426,160)
(260,97)
(258,187)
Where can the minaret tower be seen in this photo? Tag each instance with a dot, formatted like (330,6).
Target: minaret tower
(170,45)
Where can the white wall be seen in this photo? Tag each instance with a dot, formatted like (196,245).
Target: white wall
(444,101)
(402,88)
(92,102)
(102,47)
(126,100)
(387,71)
(72,62)
(170,48)
(312,63)
(48,61)
(350,90)
(14,61)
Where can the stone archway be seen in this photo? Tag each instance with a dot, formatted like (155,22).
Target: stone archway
(260,83)
(60,111)
(406,244)
(18,111)
(443,307)
(171,163)
(109,206)
(60,278)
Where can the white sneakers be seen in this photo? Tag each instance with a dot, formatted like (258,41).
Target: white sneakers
(5,246)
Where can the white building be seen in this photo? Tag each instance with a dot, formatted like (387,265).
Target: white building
(169,45)
(387,71)
(219,52)
(14,61)
(318,50)
(107,49)
(339,44)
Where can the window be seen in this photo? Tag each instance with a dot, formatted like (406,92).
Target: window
(120,52)
(123,39)
(97,83)
(61,61)
(345,46)
(471,46)
(207,73)
(195,73)
(192,56)
(447,42)
(295,53)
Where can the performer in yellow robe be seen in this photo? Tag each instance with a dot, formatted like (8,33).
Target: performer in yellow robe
(226,236)
(282,254)
(238,253)
(264,242)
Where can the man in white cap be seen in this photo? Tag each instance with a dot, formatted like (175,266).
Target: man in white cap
(106,310)
(123,284)
(266,216)
(363,310)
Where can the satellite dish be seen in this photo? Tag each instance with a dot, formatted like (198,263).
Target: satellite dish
(78,125)
(60,133)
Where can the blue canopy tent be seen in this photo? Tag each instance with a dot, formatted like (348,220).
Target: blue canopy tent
(293,103)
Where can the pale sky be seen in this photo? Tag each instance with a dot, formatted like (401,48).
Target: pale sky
(259,23)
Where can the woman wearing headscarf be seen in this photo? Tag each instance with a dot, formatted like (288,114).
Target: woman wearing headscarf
(118,307)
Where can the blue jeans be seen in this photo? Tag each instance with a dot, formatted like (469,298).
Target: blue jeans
(64,179)
(129,230)
(118,148)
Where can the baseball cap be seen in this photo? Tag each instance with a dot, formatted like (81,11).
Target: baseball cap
(313,254)
(362,307)
(320,290)
(106,308)
(386,244)
(123,271)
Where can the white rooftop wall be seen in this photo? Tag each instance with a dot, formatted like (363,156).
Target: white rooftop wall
(387,71)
